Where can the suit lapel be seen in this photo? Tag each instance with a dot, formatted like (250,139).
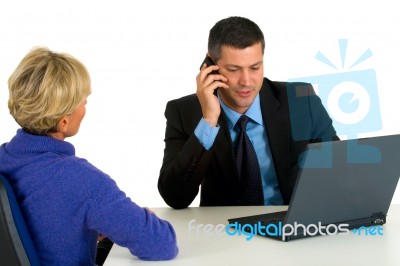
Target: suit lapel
(224,151)
(275,118)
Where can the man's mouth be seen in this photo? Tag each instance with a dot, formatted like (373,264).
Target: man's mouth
(244,93)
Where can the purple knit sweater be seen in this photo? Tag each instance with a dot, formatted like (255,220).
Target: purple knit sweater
(67,202)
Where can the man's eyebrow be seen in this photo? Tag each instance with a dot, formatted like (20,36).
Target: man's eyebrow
(233,65)
(258,63)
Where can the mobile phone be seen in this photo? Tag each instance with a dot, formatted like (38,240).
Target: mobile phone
(209,62)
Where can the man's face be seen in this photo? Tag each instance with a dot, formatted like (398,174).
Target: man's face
(244,70)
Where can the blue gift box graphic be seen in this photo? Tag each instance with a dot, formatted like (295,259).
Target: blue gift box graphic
(351,100)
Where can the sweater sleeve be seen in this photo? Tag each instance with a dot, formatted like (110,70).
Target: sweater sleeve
(115,216)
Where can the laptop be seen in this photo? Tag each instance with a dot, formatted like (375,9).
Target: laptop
(342,186)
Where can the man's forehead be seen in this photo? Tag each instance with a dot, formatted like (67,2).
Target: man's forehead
(251,55)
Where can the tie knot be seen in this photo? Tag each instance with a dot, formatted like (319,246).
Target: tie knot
(242,122)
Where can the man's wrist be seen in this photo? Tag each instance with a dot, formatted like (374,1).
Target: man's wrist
(206,134)
(213,122)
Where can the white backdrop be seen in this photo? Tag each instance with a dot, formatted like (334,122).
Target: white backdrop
(140,54)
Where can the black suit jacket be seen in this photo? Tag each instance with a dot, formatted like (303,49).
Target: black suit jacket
(293,115)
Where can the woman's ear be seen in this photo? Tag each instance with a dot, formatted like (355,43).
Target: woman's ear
(62,126)
(62,129)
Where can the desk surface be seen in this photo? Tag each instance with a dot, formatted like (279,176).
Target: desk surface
(200,246)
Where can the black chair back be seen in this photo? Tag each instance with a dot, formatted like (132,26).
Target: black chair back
(16,247)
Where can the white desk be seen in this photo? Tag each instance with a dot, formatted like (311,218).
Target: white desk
(202,249)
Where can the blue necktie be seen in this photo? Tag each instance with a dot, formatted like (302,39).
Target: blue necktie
(251,192)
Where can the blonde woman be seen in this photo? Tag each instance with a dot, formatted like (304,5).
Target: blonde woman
(66,201)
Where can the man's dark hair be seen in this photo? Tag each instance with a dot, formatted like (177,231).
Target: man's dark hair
(237,32)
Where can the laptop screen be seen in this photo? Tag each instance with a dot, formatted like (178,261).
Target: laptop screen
(345,180)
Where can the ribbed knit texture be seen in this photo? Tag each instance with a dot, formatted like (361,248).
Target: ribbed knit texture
(67,202)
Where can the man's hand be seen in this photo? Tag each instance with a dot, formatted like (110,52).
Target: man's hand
(206,84)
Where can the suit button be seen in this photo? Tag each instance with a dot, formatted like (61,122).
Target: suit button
(194,160)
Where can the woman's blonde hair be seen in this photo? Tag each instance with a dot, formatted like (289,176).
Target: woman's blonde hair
(45,87)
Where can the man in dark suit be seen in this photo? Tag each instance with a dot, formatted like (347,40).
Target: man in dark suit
(201,130)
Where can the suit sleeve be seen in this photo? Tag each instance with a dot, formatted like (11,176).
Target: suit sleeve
(185,160)
(322,129)
(309,119)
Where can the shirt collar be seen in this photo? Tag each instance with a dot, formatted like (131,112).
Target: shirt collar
(254,112)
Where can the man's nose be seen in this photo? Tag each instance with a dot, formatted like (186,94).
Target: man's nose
(245,78)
